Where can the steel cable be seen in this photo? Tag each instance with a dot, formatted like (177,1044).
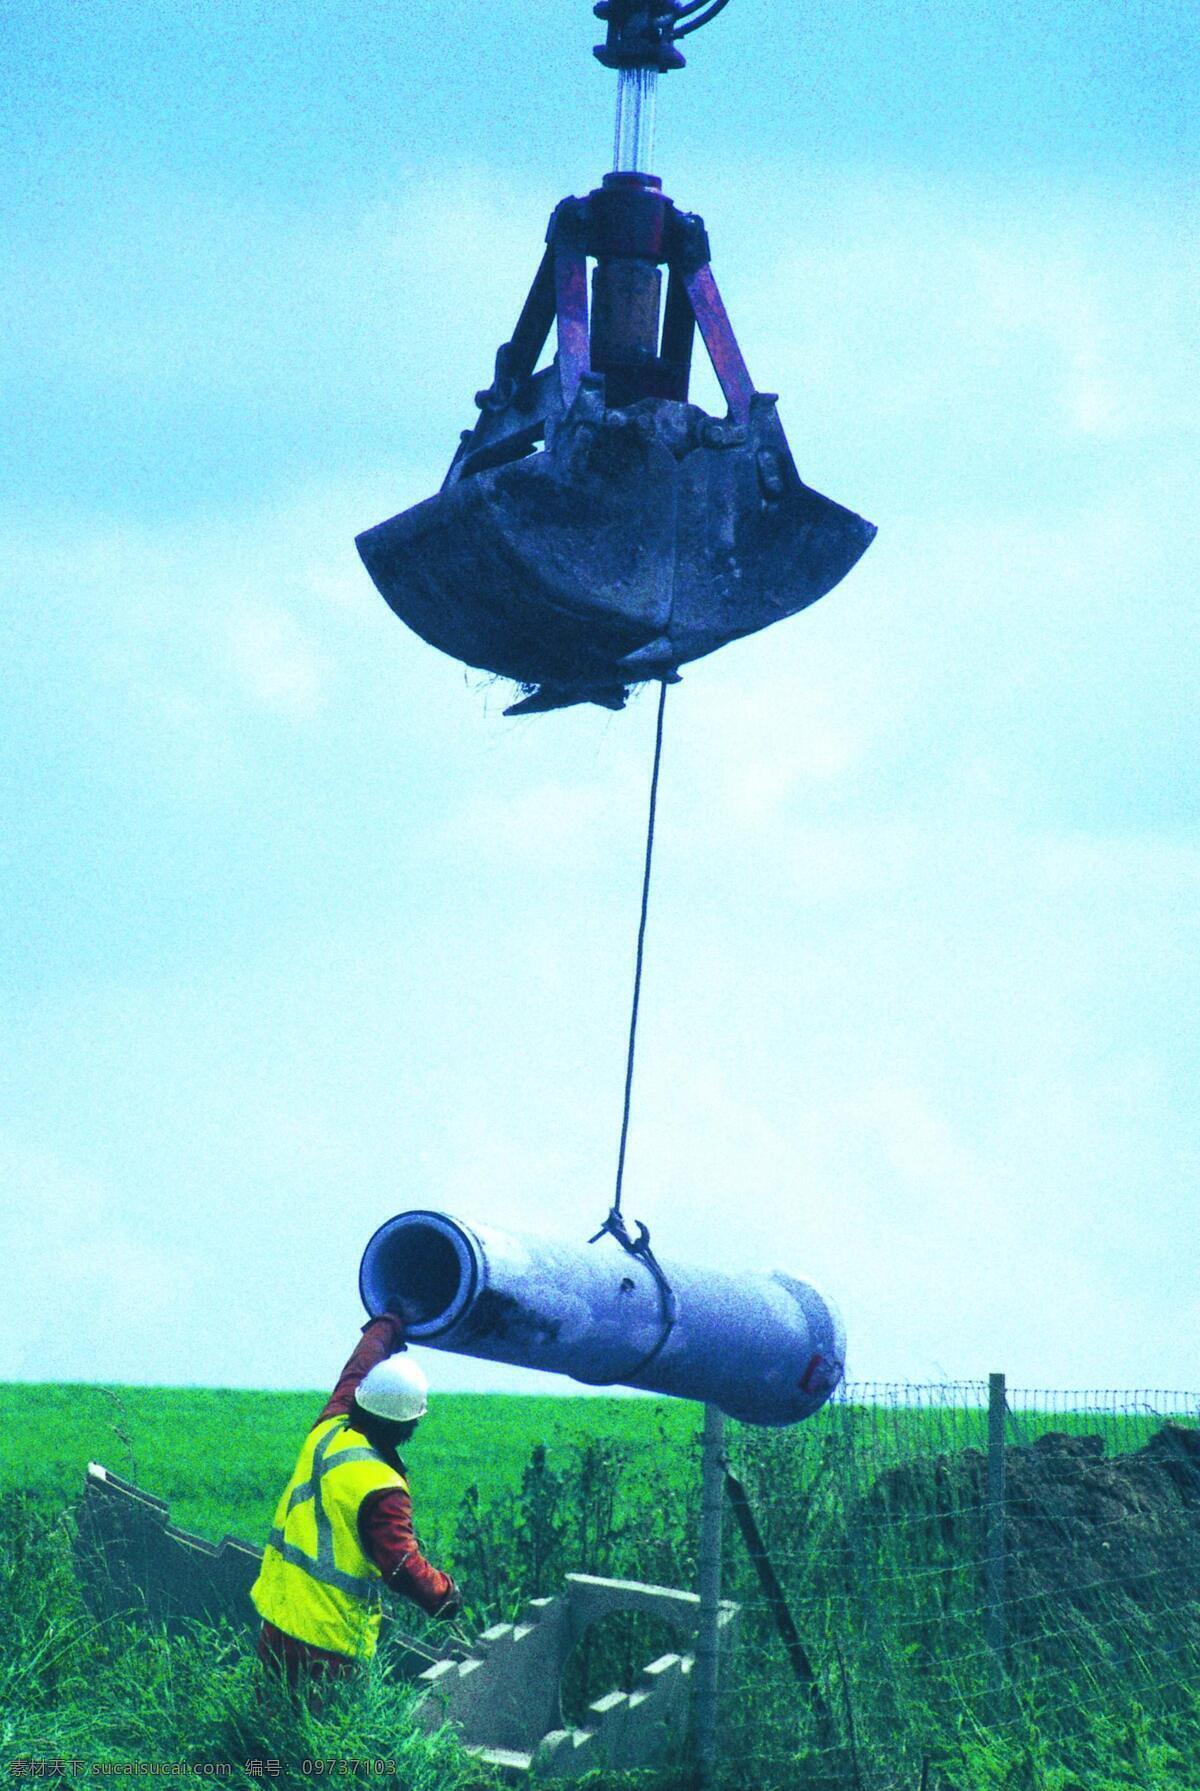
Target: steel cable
(641,949)
(614,1224)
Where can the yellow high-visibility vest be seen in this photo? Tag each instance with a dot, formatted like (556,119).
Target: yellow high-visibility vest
(316,1583)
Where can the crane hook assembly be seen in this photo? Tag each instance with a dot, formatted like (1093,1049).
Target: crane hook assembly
(596,529)
(643,35)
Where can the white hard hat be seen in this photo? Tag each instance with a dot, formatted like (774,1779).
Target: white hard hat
(395,1389)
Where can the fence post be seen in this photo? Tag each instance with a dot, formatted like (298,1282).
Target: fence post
(994,1561)
(712,1488)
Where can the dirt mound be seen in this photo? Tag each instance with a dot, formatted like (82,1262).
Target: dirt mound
(1100,1549)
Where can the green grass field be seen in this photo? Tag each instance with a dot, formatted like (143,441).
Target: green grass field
(220,1457)
(872,1514)
(69,1685)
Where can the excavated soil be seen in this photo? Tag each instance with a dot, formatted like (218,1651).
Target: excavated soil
(1100,1550)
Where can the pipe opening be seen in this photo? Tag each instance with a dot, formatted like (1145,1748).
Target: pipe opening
(422,1265)
(423,1259)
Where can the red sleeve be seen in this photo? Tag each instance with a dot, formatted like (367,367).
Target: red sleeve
(381,1338)
(386,1528)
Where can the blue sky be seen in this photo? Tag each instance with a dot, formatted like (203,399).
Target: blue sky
(299,931)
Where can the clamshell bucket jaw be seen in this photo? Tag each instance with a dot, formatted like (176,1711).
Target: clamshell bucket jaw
(596,530)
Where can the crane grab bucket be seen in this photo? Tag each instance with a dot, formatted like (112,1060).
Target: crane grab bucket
(596,529)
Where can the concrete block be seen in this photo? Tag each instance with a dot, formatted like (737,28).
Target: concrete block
(625,1729)
(506,1695)
(503,1699)
(592,1599)
(132,1561)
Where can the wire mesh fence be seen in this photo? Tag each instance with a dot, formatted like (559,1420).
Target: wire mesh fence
(940,1588)
(932,1592)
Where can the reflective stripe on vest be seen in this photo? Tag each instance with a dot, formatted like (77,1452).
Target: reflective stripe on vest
(310,1596)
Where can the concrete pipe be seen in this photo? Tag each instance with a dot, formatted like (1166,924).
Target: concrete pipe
(765,1348)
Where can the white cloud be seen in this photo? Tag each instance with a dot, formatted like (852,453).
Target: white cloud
(916,1100)
(190,292)
(82,1270)
(760,753)
(275,661)
(931,329)
(1122,865)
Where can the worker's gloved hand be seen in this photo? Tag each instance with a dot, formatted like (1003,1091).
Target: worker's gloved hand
(403,1307)
(452,1604)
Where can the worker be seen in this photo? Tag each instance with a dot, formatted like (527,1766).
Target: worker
(343,1528)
